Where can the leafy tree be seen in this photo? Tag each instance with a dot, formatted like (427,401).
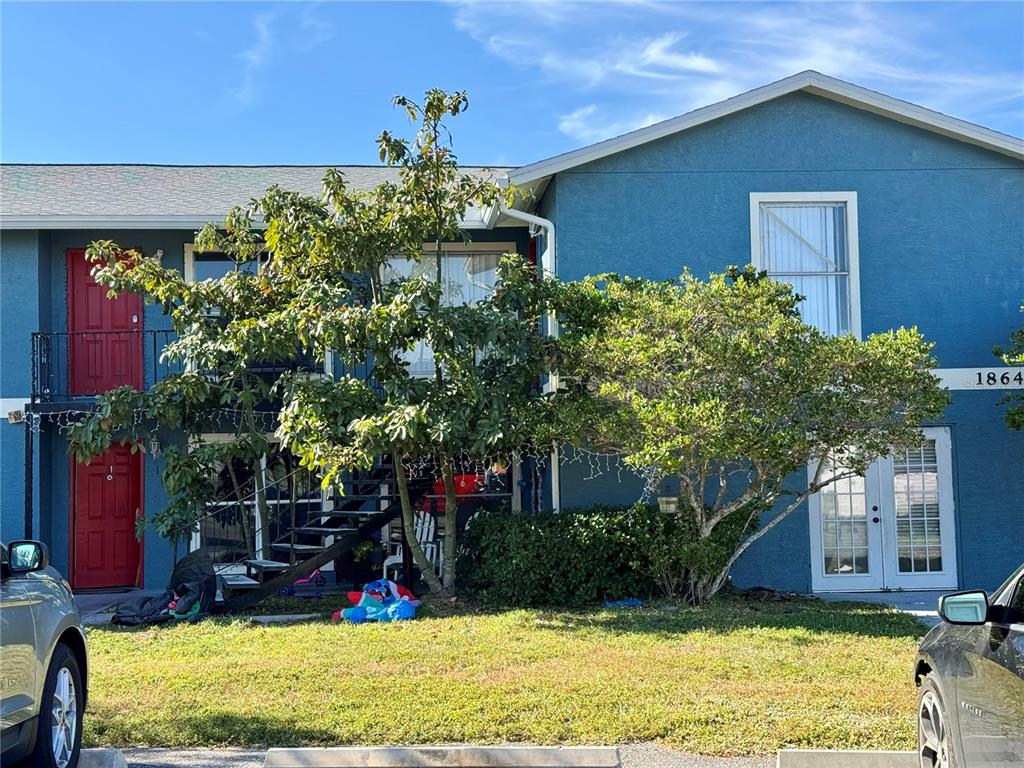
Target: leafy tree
(321,283)
(1014,355)
(720,384)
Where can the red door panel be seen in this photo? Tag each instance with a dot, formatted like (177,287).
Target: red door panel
(105,339)
(107,501)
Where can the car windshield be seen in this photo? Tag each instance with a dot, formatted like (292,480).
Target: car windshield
(1003,590)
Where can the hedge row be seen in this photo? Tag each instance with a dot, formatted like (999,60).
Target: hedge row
(572,558)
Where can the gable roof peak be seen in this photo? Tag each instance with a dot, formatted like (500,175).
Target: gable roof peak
(809,81)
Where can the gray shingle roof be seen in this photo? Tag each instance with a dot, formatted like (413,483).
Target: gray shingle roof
(201,193)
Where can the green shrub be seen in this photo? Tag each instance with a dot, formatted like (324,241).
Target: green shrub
(572,558)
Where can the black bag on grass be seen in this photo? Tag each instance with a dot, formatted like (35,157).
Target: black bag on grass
(193,581)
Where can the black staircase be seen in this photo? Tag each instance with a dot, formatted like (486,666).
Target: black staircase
(315,536)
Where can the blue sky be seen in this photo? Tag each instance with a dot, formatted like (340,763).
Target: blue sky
(238,82)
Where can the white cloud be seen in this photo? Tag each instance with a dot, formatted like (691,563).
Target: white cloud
(299,31)
(254,56)
(633,63)
(590,124)
(313,29)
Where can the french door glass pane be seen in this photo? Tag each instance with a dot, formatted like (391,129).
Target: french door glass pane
(918,528)
(844,527)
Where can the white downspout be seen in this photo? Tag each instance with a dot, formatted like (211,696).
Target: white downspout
(548,268)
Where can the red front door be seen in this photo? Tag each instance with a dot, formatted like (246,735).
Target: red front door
(105,339)
(107,501)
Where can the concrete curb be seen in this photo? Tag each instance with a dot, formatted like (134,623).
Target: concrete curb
(284,618)
(101,758)
(845,758)
(460,756)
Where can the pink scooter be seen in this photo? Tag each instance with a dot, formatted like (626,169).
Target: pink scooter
(314,579)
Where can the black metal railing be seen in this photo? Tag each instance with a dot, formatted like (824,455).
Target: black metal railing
(70,364)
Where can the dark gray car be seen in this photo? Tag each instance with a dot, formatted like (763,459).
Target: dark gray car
(970,673)
(43,662)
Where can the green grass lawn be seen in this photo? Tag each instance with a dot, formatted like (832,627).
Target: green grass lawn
(733,678)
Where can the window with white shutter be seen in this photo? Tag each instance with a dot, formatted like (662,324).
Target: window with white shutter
(809,240)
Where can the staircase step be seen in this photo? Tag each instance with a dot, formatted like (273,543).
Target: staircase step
(299,549)
(266,565)
(316,530)
(236,581)
(354,497)
(351,513)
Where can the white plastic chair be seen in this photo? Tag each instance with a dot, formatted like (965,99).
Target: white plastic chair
(425,529)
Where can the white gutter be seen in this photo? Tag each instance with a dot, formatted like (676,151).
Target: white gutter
(548,268)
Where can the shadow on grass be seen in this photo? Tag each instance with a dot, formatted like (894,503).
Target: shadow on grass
(726,615)
(205,730)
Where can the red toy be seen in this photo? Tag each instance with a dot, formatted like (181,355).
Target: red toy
(464,485)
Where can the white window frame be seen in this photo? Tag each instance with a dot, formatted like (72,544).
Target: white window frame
(849,199)
(190,263)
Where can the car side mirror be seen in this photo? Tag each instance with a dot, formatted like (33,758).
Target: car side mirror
(964,607)
(26,556)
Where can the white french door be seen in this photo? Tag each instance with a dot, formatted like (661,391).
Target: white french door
(893,528)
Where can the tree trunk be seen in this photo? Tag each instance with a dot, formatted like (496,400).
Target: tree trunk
(409,524)
(451,522)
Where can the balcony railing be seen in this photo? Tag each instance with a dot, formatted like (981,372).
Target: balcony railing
(77,364)
(71,364)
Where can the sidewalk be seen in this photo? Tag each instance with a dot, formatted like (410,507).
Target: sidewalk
(922,605)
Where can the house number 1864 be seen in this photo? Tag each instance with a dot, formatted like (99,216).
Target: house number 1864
(992,379)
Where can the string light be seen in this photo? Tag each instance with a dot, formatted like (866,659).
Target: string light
(597,463)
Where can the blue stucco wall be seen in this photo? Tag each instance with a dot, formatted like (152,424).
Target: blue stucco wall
(23,307)
(941,235)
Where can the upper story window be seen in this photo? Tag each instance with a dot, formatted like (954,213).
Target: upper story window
(469,272)
(202,265)
(809,240)
(211,265)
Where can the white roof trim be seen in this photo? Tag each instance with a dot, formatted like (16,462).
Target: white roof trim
(810,81)
(192,222)
(108,222)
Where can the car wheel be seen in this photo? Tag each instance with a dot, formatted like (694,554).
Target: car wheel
(934,739)
(59,737)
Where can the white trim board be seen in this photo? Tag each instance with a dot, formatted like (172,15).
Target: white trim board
(8,404)
(474,219)
(809,81)
(983,379)
(849,199)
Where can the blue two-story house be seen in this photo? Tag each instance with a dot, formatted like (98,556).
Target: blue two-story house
(881,212)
